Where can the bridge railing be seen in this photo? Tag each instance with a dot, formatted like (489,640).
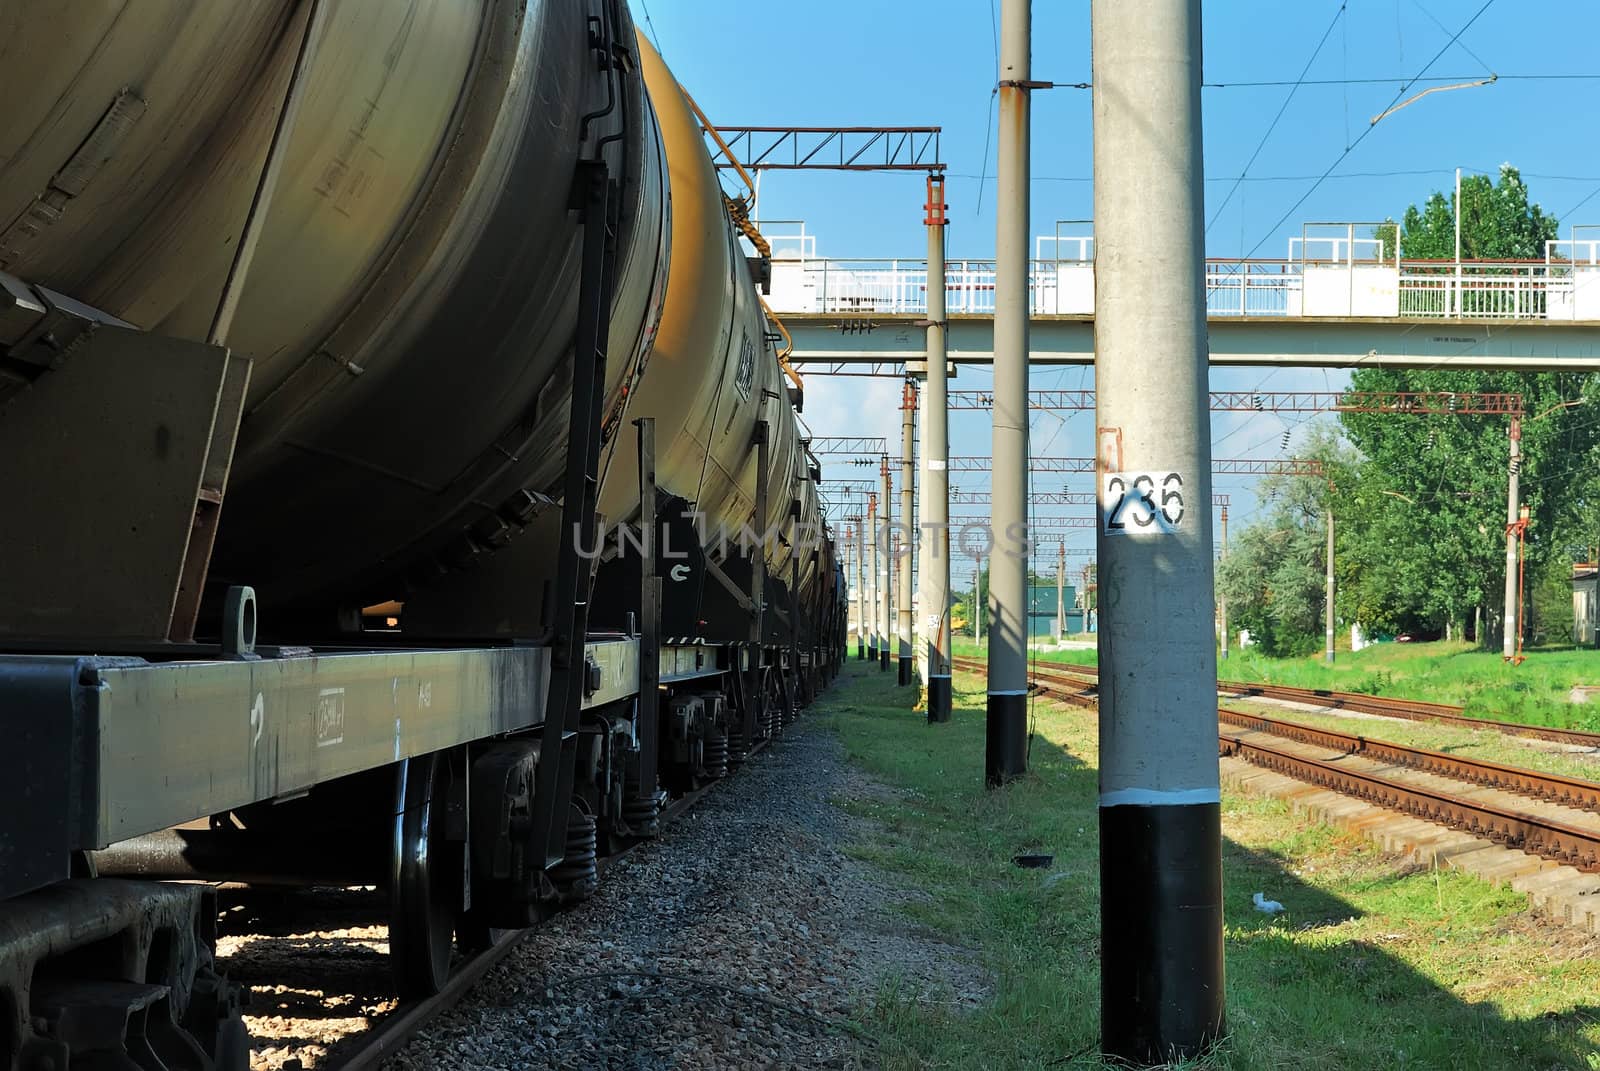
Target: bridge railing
(1564,286)
(1253,288)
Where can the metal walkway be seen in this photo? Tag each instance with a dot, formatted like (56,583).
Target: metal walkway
(1334,301)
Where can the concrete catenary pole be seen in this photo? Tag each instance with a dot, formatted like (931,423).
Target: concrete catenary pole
(1061,592)
(869,611)
(1088,598)
(934,560)
(1160,804)
(886,565)
(1006,741)
(1222,598)
(858,553)
(1327,598)
(980,603)
(849,584)
(1455,210)
(1508,638)
(919,644)
(907,549)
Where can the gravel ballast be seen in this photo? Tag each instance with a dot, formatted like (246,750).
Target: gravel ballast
(742,938)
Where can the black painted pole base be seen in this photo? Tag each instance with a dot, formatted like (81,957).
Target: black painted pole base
(861,651)
(883,659)
(1005,752)
(905,670)
(938,700)
(872,653)
(1161,977)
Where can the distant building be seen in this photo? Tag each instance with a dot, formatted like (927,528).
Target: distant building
(1585,602)
(1042,611)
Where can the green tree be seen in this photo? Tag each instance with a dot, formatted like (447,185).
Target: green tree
(1427,542)
(1497,223)
(1274,577)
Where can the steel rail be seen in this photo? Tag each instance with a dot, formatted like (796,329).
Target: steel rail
(1563,843)
(1549,838)
(1409,709)
(1553,788)
(1387,706)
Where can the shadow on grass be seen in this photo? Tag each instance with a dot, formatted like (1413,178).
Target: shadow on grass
(1358,972)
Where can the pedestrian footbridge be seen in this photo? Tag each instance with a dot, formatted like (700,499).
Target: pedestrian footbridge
(1335,301)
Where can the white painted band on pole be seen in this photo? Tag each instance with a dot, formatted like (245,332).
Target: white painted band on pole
(1009,691)
(939,676)
(936,465)
(1149,797)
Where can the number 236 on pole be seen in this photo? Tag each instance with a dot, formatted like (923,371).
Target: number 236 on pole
(1141,503)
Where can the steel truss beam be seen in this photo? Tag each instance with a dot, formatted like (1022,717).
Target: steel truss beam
(849,444)
(1050,498)
(1034,524)
(828,148)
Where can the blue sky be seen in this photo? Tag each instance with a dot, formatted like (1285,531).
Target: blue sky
(932,62)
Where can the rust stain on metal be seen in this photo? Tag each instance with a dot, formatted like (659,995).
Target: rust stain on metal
(1013,109)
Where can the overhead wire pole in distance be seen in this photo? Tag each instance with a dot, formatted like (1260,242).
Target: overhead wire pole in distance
(1222,596)
(885,537)
(1508,638)
(905,546)
(1160,805)
(869,613)
(934,560)
(1327,599)
(1006,741)
(1061,588)
(853,543)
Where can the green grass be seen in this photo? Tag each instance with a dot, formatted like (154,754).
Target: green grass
(1534,693)
(966,646)
(1375,965)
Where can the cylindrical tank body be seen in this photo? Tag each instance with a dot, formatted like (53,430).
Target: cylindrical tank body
(410,307)
(712,373)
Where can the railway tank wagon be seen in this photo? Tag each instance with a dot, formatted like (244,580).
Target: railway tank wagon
(402,485)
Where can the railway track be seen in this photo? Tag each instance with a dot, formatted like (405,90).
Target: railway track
(392,1032)
(1560,822)
(1387,706)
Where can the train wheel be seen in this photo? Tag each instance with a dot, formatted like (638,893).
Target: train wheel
(424,886)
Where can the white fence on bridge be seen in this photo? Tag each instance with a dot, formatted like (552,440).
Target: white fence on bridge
(1341,276)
